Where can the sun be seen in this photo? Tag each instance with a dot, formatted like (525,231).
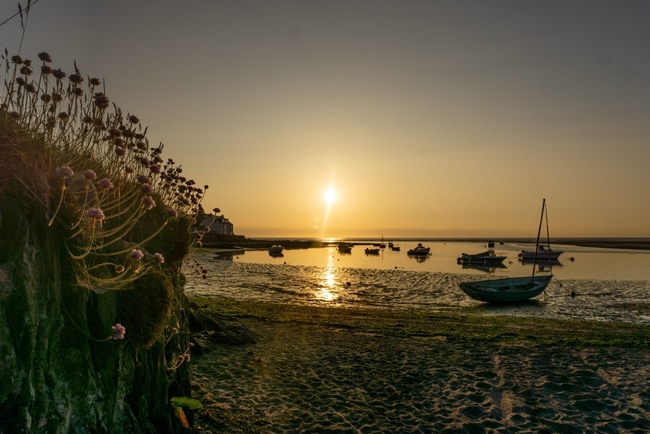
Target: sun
(330,196)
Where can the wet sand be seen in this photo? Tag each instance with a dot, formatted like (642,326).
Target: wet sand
(332,376)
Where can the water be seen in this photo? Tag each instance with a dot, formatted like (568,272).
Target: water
(608,284)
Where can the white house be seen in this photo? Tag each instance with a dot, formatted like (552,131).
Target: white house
(218,225)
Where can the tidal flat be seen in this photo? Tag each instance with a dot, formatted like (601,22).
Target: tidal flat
(317,369)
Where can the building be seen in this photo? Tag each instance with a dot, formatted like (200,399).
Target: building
(218,224)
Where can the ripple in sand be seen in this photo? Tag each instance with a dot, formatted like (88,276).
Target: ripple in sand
(305,379)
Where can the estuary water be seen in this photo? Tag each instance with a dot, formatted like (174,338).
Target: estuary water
(589,283)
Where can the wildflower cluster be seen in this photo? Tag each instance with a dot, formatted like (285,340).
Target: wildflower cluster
(104,174)
(118,331)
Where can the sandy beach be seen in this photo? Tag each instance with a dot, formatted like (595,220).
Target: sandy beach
(315,372)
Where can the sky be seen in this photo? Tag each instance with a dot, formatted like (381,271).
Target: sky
(426,118)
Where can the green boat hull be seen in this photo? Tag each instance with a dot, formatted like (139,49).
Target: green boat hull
(507,289)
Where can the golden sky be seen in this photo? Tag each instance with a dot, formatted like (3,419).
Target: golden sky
(428,118)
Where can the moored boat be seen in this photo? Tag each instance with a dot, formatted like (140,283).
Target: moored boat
(372,250)
(420,250)
(344,248)
(276,249)
(510,289)
(484,258)
(545,253)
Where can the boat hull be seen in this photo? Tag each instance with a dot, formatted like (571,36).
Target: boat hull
(541,255)
(419,251)
(345,248)
(507,289)
(480,259)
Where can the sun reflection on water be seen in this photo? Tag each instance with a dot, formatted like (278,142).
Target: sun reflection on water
(327,282)
(327,286)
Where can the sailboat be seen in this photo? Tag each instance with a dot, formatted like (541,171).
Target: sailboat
(510,289)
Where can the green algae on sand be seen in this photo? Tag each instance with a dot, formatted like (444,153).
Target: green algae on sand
(419,323)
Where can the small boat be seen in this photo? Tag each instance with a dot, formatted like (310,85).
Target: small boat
(510,289)
(372,251)
(276,249)
(484,258)
(542,253)
(491,244)
(344,248)
(420,250)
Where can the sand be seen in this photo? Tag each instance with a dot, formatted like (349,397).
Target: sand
(313,378)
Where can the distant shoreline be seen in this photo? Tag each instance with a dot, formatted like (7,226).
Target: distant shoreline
(288,243)
(610,244)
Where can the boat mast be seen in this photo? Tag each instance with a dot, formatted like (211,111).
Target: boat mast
(539,232)
(548,234)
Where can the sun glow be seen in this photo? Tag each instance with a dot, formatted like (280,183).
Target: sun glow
(330,196)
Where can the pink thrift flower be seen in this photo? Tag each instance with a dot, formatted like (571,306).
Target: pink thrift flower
(95,213)
(59,74)
(118,331)
(146,188)
(64,172)
(172,212)
(148,202)
(143,179)
(129,169)
(105,183)
(137,254)
(155,168)
(90,175)
(158,257)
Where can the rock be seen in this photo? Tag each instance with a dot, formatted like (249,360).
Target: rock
(61,371)
(209,330)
